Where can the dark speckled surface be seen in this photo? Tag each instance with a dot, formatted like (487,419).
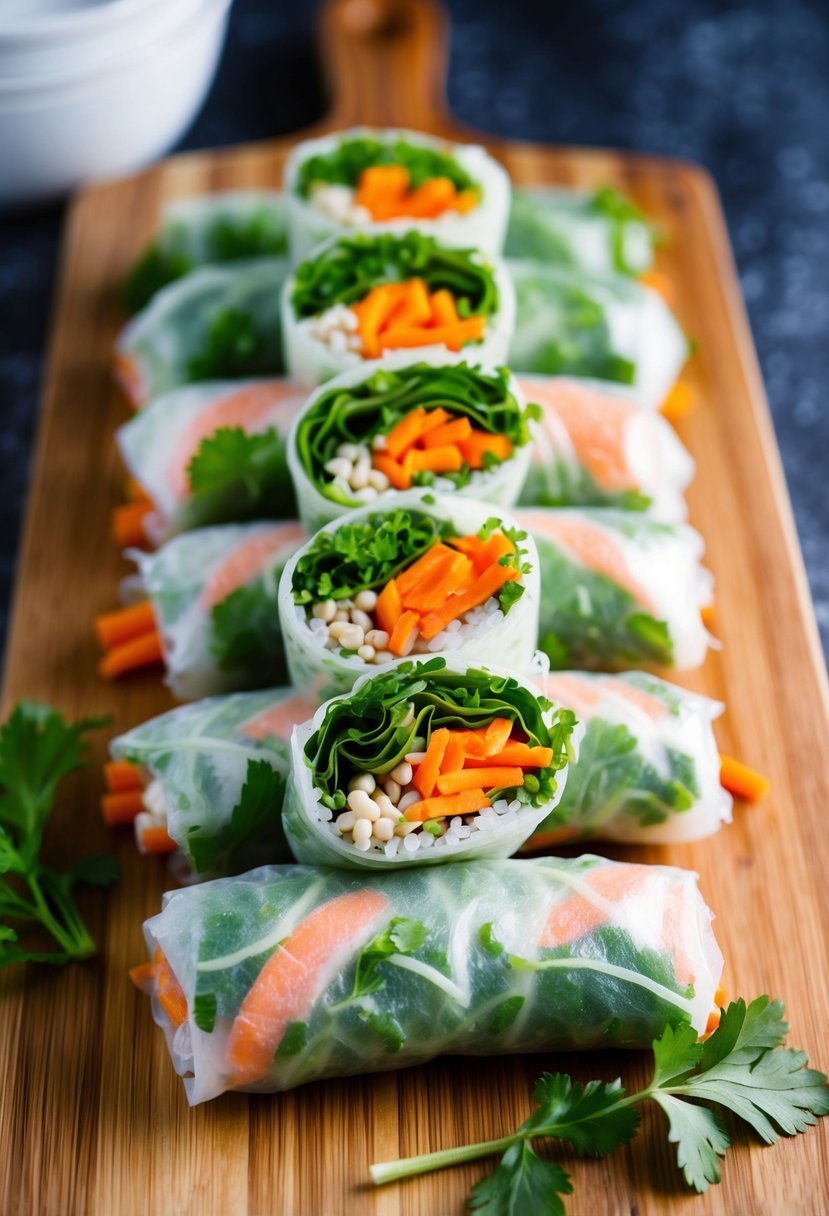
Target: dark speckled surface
(742,89)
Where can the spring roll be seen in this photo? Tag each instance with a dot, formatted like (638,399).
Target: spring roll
(599,447)
(428,574)
(598,233)
(227,227)
(648,770)
(607,327)
(619,590)
(291,974)
(357,297)
(394,178)
(383,422)
(212,453)
(220,322)
(212,776)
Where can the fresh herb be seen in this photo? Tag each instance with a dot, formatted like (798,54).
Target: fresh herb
(38,749)
(204,1011)
(230,346)
(157,267)
(386,1027)
(237,476)
(346,164)
(742,1068)
(294,1039)
(401,936)
(246,635)
(254,825)
(559,228)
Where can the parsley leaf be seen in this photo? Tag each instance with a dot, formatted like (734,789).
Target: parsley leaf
(254,824)
(401,936)
(235,476)
(523,1183)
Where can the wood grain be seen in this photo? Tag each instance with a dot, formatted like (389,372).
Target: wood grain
(92,1118)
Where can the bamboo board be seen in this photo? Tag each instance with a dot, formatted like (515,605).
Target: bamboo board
(92,1117)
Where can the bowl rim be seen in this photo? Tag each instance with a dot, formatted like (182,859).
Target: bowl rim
(78,22)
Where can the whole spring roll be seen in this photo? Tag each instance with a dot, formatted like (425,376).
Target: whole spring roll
(291,974)
(599,447)
(401,422)
(428,762)
(619,590)
(428,574)
(394,178)
(648,770)
(598,233)
(227,227)
(212,453)
(220,322)
(211,777)
(606,327)
(211,615)
(357,297)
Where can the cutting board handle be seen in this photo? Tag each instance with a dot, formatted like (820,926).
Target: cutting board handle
(385,62)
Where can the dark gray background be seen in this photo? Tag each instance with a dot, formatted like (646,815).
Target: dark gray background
(742,89)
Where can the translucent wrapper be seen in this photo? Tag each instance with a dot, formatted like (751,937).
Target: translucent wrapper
(648,770)
(597,233)
(217,322)
(599,447)
(227,227)
(510,636)
(618,590)
(499,484)
(292,974)
(311,361)
(484,226)
(214,594)
(238,479)
(216,773)
(606,327)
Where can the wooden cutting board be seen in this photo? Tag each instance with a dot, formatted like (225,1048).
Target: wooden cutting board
(93,1119)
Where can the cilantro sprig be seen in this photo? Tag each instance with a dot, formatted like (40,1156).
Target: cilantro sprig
(38,749)
(742,1068)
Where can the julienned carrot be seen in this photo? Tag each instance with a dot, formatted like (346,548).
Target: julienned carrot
(516,753)
(480,778)
(678,403)
(373,311)
(384,192)
(708,615)
(403,634)
(428,771)
(444,309)
(128,522)
(168,990)
(492,550)
(455,754)
(742,781)
(136,491)
(456,576)
(398,474)
(446,459)
(450,432)
(413,307)
(155,839)
(486,585)
(113,628)
(471,329)
(142,975)
(388,608)
(480,443)
(448,805)
(430,199)
(143,651)
(425,566)
(658,282)
(404,433)
(497,735)
(121,775)
(122,808)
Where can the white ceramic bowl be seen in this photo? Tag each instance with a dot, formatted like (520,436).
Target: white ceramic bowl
(61,130)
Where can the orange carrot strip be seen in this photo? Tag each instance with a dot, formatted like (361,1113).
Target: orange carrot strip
(494,549)
(479,443)
(496,735)
(121,775)
(113,628)
(465,201)
(487,584)
(430,580)
(156,840)
(379,187)
(518,753)
(742,781)
(403,633)
(121,808)
(428,771)
(388,608)
(429,594)
(478,778)
(128,522)
(444,309)
(136,491)
(430,199)
(142,975)
(455,754)
(658,282)
(373,311)
(423,567)
(450,432)
(678,403)
(399,475)
(405,432)
(471,329)
(414,306)
(464,803)
(143,651)
(446,459)
(708,615)
(434,418)
(168,991)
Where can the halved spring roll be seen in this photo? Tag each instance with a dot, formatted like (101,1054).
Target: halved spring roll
(599,233)
(219,322)
(211,613)
(619,590)
(291,974)
(599,447)
(212,453)
(212,776)
(428,574)
(390,178)
(648,769)
(226,227)
(357,297)
(428,762)
(401,422)
(607,327)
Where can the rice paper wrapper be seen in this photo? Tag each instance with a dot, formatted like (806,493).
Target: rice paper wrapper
(619,590)
(311,362)
(597,233)
(483,227)
(181,335)
(158,443)
(193,576)
(605,327)
(598,446)
(478,959)
(200,758)
(648,770)
(512,638)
